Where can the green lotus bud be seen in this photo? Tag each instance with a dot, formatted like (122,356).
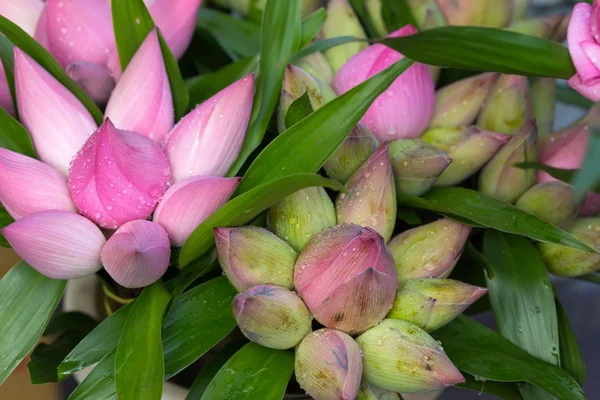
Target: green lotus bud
(499,178)
(427,14)
(317,65)
(376,17)
(543,97)
(566,261)
(351,154)
(469,148)
(416,165)
(342,21)
(401,357)
(459,103)
(328,365)
(520,9)
(299,216)
(272,316)
(432,303)
(508,106)
(492,13)
(257,7)
(542,27)
(430,250)
(552,201)
(371,392)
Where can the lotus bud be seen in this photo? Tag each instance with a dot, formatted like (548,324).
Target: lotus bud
(405,109)
(256,7)
(430,250)
(6,100)
(296,82)
(59,244)
(328,365)
(137,255)
(370,392)
(401,357)
(351,154)
(469,148)
(543,96)
(95,80)
(552,201)
(566,261)
(24,13)
(252,256)
(459,103)
(491,13)
(272,316)
(427,14)
(374,12)
(371,201)
(432,303)
(188,203)
(56,120)
(499,178)
(508,106)
(301,215)
(342,21)
(208,140)
(416,165)
(346,277)
(539,27)
(317,65)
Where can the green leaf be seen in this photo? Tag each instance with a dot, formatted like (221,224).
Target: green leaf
(27,301)
(396,14)
(470,207)
(178,90)
(311,25)
(323,45)
(239,38)
(486,49)
(507,391)
(568,96)
(565,175)
(5,220)
(298,110)
(254,372)
(588,177)
(361,11)
(132,23)
(195,270)
(481,352)
(306,146)
(13,136)
(139,364)
(35,50)
(7,56)
(571,358)
(100,383)
(243,208)
(65,321)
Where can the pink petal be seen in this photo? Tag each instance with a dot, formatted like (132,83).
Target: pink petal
(591,206)
(589,89)
(141,101)
(592,51)
(580,31)
(176,20)
(24,13)
(118,176)
(564,149)
(57,121)
(28,185)
(189,202)
(208,140)
(58,244)
(6,100)
(137,254)
(356,70)
(96,80)
(41,30)
(595,21)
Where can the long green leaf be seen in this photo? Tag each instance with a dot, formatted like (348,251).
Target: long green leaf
(100,383)
(568,96)
(14,136)
(396,14)
(323,45)
(571,358)
(311,25)
(239,38)
(27,301)
(588,177)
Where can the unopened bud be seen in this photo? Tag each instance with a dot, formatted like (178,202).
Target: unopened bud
(317,65)
(371,392)
(427,14)
(255,8)
(491,13)
(542,27)
(351,154)
(374,11)
(552,201)
(543,96)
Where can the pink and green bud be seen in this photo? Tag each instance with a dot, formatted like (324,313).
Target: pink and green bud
(317,65)
(371,392)
(328,365)
(542,27)
(252,256)
(430,250)
(371,198)
(346,277)
(432,303)
(374,11)
(299,216)
(427,14)
(543,96)
(401,357)
(416,165)
(491,13)
(272,316)
(351,154)
(469,148)
(552,201)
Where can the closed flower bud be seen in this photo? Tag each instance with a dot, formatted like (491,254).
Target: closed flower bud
(427,13)
(94,79)
(552,201)
(491,13)
(346,277)
(566,261)
(328,365)
(469,148)
(543,96)
(256,7)
(499,178)
(371,201)
(430,250)
(432,303)
(317,65)
(539,27)
(272,316)
(351,154)
(416,165)
(401,357)
(373,8)
(301,215)
(371,392)
(252,256)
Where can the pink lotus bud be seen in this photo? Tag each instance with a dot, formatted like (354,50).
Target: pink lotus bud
(189,202)
(351,154)
(317,65)
(552,201)
(430,250)
(543,96)
(28,185)
(41,30)
(137,255)
(401,357)
(6,100)
(492,13)
(24,13)
(59,244)
(253,256)
(142,100)
(405,109)
(95,80)
(371,392)
(427,14)
(372,198)
(272,316)
(57,121)
(328,365)
(118,176)
(208,140)
(346,277)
